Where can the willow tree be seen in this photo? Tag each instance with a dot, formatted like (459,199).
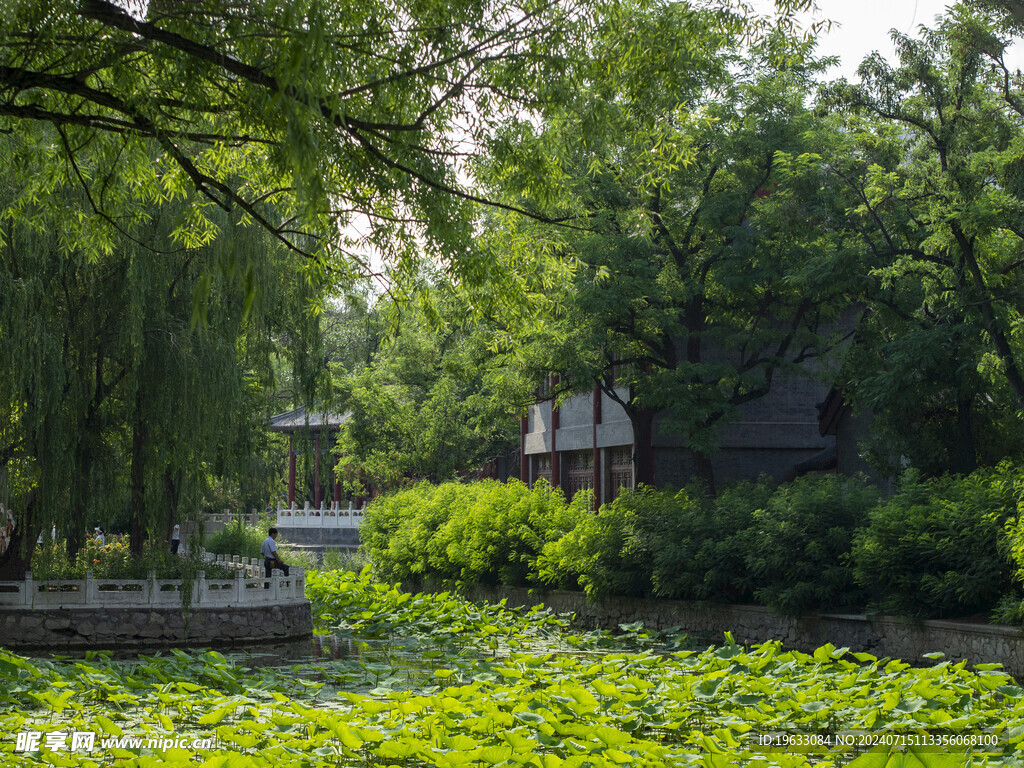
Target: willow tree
(131,375)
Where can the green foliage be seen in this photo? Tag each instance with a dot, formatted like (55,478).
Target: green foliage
(934,400)
(597,555)
(823,542)
(357,602)
(486,685)
(693,286)
(697,546)
(117,407)
(397,527)
(932,156)
(784,547)
(238,538)
(486,531)
(345,560)
(498,536)
(298,558)
(798,545)
(334,149)
(114,560)
(936,547)
(420,408)
(646,541)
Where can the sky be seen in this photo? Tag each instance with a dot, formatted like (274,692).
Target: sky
(862,26)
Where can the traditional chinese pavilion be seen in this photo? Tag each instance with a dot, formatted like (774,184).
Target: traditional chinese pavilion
(320,430)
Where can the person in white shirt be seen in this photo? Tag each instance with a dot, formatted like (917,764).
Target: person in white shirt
(271,560)
(175,539)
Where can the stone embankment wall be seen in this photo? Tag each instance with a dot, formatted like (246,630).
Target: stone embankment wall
(704,622)
(319,538)
(71,628)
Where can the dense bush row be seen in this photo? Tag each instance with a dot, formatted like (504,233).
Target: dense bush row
(942,547)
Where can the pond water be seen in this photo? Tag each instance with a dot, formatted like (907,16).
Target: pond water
(428,679)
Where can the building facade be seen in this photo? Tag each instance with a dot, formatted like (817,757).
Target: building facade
(588,442)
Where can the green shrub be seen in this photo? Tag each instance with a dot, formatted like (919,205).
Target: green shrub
(298,558)
(1010,609)
(683,545)
(502,530)
(397,528)
(484,532)
(238,538)
(797,547)
(600,555)
(695,545)
(936,548)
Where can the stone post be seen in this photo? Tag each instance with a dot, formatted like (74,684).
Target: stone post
(240,596)
(29,594)
(197,598)
(154,591)
(90,589)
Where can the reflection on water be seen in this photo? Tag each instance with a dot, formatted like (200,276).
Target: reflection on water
(317,648)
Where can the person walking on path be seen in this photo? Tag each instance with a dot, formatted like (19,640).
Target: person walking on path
(271,560)
(175,539)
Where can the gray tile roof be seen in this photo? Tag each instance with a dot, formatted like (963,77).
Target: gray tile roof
(301,420)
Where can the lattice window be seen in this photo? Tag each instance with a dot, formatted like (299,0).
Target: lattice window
(620,470)
(542,466)
(580,471)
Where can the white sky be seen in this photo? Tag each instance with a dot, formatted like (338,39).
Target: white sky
(862,26)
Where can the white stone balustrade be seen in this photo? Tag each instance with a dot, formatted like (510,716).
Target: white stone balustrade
(327,516)
(333,516)
(246,588)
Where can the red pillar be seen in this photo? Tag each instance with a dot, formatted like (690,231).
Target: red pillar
(524,465)
(337,483)
(291,470)
(317,494)
(556,465)
(597,451)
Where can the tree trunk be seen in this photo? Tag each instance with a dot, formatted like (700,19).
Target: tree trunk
(965,458)
(76,531)
(696,326)
(705,472)
(643,456)
(170,501)
(991,322)
(138,484)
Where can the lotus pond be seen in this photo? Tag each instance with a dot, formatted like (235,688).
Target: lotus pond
(433,680)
